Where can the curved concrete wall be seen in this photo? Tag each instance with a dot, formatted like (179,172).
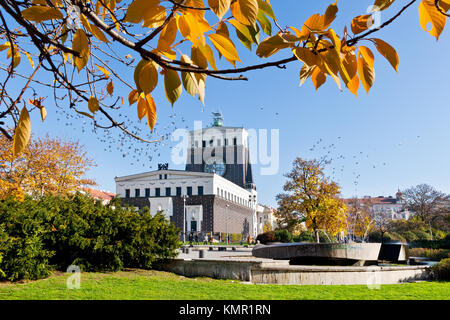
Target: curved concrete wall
(280,272)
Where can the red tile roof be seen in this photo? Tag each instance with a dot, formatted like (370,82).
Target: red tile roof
(100,195)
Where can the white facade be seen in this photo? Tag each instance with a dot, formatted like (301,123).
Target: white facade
(265,215)
(160,186)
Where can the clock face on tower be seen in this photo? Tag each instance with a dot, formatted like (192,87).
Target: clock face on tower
(215,165)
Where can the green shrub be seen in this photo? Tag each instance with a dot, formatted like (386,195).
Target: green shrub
(266,237)
(305,236)
(432,254)
(441,271)
(76,230)
(21,242)
(283,236)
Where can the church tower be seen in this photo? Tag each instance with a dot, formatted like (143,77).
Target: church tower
(222,150)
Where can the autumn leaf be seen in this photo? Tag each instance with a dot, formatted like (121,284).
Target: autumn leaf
(110,88)
(219,7)
(141,106)
(151,112)
(43,114)
(366,73)
(80,44)
(93,104)
(22,134)
(40,13)
(388,52)
(148,78)
(139,9)
(382,4)
(245,11)
(318,78)
(133,96)
(361,23)
(225,46)
(429,14)
(306,55)
(172,85)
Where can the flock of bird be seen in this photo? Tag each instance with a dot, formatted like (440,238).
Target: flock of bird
(148,155)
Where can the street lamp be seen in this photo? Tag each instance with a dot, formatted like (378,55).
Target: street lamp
(184,217)
(226,215)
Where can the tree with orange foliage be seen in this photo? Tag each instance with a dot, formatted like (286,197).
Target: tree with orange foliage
(46,166)
(310,196)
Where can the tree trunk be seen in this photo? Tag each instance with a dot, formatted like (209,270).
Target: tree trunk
(316,236)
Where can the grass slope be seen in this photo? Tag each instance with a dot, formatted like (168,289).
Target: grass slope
(149,285)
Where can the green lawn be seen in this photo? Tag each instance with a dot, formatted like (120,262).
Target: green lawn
(140,284)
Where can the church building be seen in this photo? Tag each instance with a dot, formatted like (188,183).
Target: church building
(215,193)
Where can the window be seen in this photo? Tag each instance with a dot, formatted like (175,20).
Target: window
(226,142)
(211,142)
(200,191)
(168,192)
(165,176)
(147,192)
(203,143)
(178,191)
(189,191)
(221,193)
(157,192)
(137,193)
(235,141)
(160,177)
(127,193)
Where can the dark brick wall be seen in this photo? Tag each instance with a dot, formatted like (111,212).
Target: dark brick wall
(207,201)
(136,202)
(239,217)
(214,213)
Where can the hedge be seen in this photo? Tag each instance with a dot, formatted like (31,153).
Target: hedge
(37,236)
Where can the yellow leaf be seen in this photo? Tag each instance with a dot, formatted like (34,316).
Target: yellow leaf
(219,7)
(388,52)
(40,13)
(43,113)
(155,17)
(148,78)
(382,4)
(93,104)
(272,45)
(366,73)
(245,11)
(22,133)
(105,72)
(429,14)
(172,85)
(98,34)
(168,35)
(318,78)
(189,80)
(80,44)
(29,59)
(139,9)
(306,55)
(225,46)
(367,55)
(361,23)
(110,88)
(305,73)
(208,54)
(133,96)
(151,112)
(330,15)
(141,106)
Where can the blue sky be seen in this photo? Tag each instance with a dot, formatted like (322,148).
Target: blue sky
(396,137)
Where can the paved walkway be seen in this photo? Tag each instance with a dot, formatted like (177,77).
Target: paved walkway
(229,254)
